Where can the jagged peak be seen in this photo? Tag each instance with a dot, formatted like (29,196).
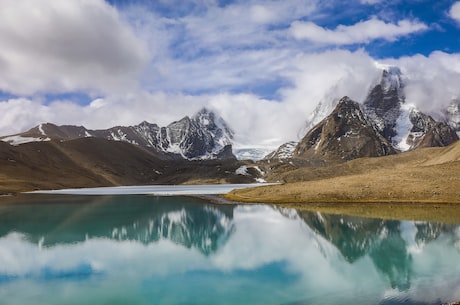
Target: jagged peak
(143,123)
(185,119)
(391,69)
(346,105)
(209,119)
(203,111)
(346,101)
(390,78)
(205,117)
(343,135)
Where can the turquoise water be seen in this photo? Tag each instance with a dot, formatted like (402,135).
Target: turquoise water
(178,250)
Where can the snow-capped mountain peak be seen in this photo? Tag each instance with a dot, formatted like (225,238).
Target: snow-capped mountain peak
(391,79)
(204,136)
(216,126)
(384,101)
(204,117)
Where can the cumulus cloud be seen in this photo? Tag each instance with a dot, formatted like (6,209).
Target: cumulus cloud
(235,47)
(67,45)
(223,57)
(21,114)
(361,32)
(430,84)
(431,81)
(128,109)
(256,121)
(243,23)
(454,12)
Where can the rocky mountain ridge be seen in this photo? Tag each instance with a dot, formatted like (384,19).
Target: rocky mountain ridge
(96,162)
(426,132)
(202,136)
(383,111)
(384,102)
(344,135)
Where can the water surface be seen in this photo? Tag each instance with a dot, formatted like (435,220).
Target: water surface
(158,190)
(178,250)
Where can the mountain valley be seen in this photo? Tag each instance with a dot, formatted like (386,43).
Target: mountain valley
(379,150)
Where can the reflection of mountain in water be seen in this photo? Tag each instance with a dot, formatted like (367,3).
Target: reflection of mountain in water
(58,220)
(386,242)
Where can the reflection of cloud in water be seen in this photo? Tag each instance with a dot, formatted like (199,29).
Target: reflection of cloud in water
(176,251)
(400,251)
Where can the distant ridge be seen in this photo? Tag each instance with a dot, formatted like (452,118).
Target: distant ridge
(94,162)
(203,136)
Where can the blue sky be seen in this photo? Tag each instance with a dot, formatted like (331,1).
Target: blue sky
(118,62)
(441,34)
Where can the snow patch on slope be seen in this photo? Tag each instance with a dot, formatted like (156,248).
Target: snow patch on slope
(18,140)
(285,151)
(403,128)
(242,170)
(40,128)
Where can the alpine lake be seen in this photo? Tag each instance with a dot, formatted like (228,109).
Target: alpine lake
(145,249)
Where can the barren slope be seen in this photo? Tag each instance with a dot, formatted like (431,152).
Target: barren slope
(92,162)
(424,175)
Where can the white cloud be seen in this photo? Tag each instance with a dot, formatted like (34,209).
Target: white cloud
(220,54)
(218,48)
(66,45)
(361,32)
(21,114)
(255,120)
(455,11)
(245,24)
(317,266)
(431,81)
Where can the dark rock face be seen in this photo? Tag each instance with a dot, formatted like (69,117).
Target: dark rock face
(383,104)
(426,132)
(344,135)
(225,153)
(203,136)
(380,127)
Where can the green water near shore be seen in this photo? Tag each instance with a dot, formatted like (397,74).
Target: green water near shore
(179,250)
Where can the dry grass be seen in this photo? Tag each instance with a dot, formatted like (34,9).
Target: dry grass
(435,183)
(422,176)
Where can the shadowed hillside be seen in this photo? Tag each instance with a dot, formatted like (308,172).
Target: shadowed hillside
(92,162)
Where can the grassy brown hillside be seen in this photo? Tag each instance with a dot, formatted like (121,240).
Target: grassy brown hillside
(423,175)
(92,162)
